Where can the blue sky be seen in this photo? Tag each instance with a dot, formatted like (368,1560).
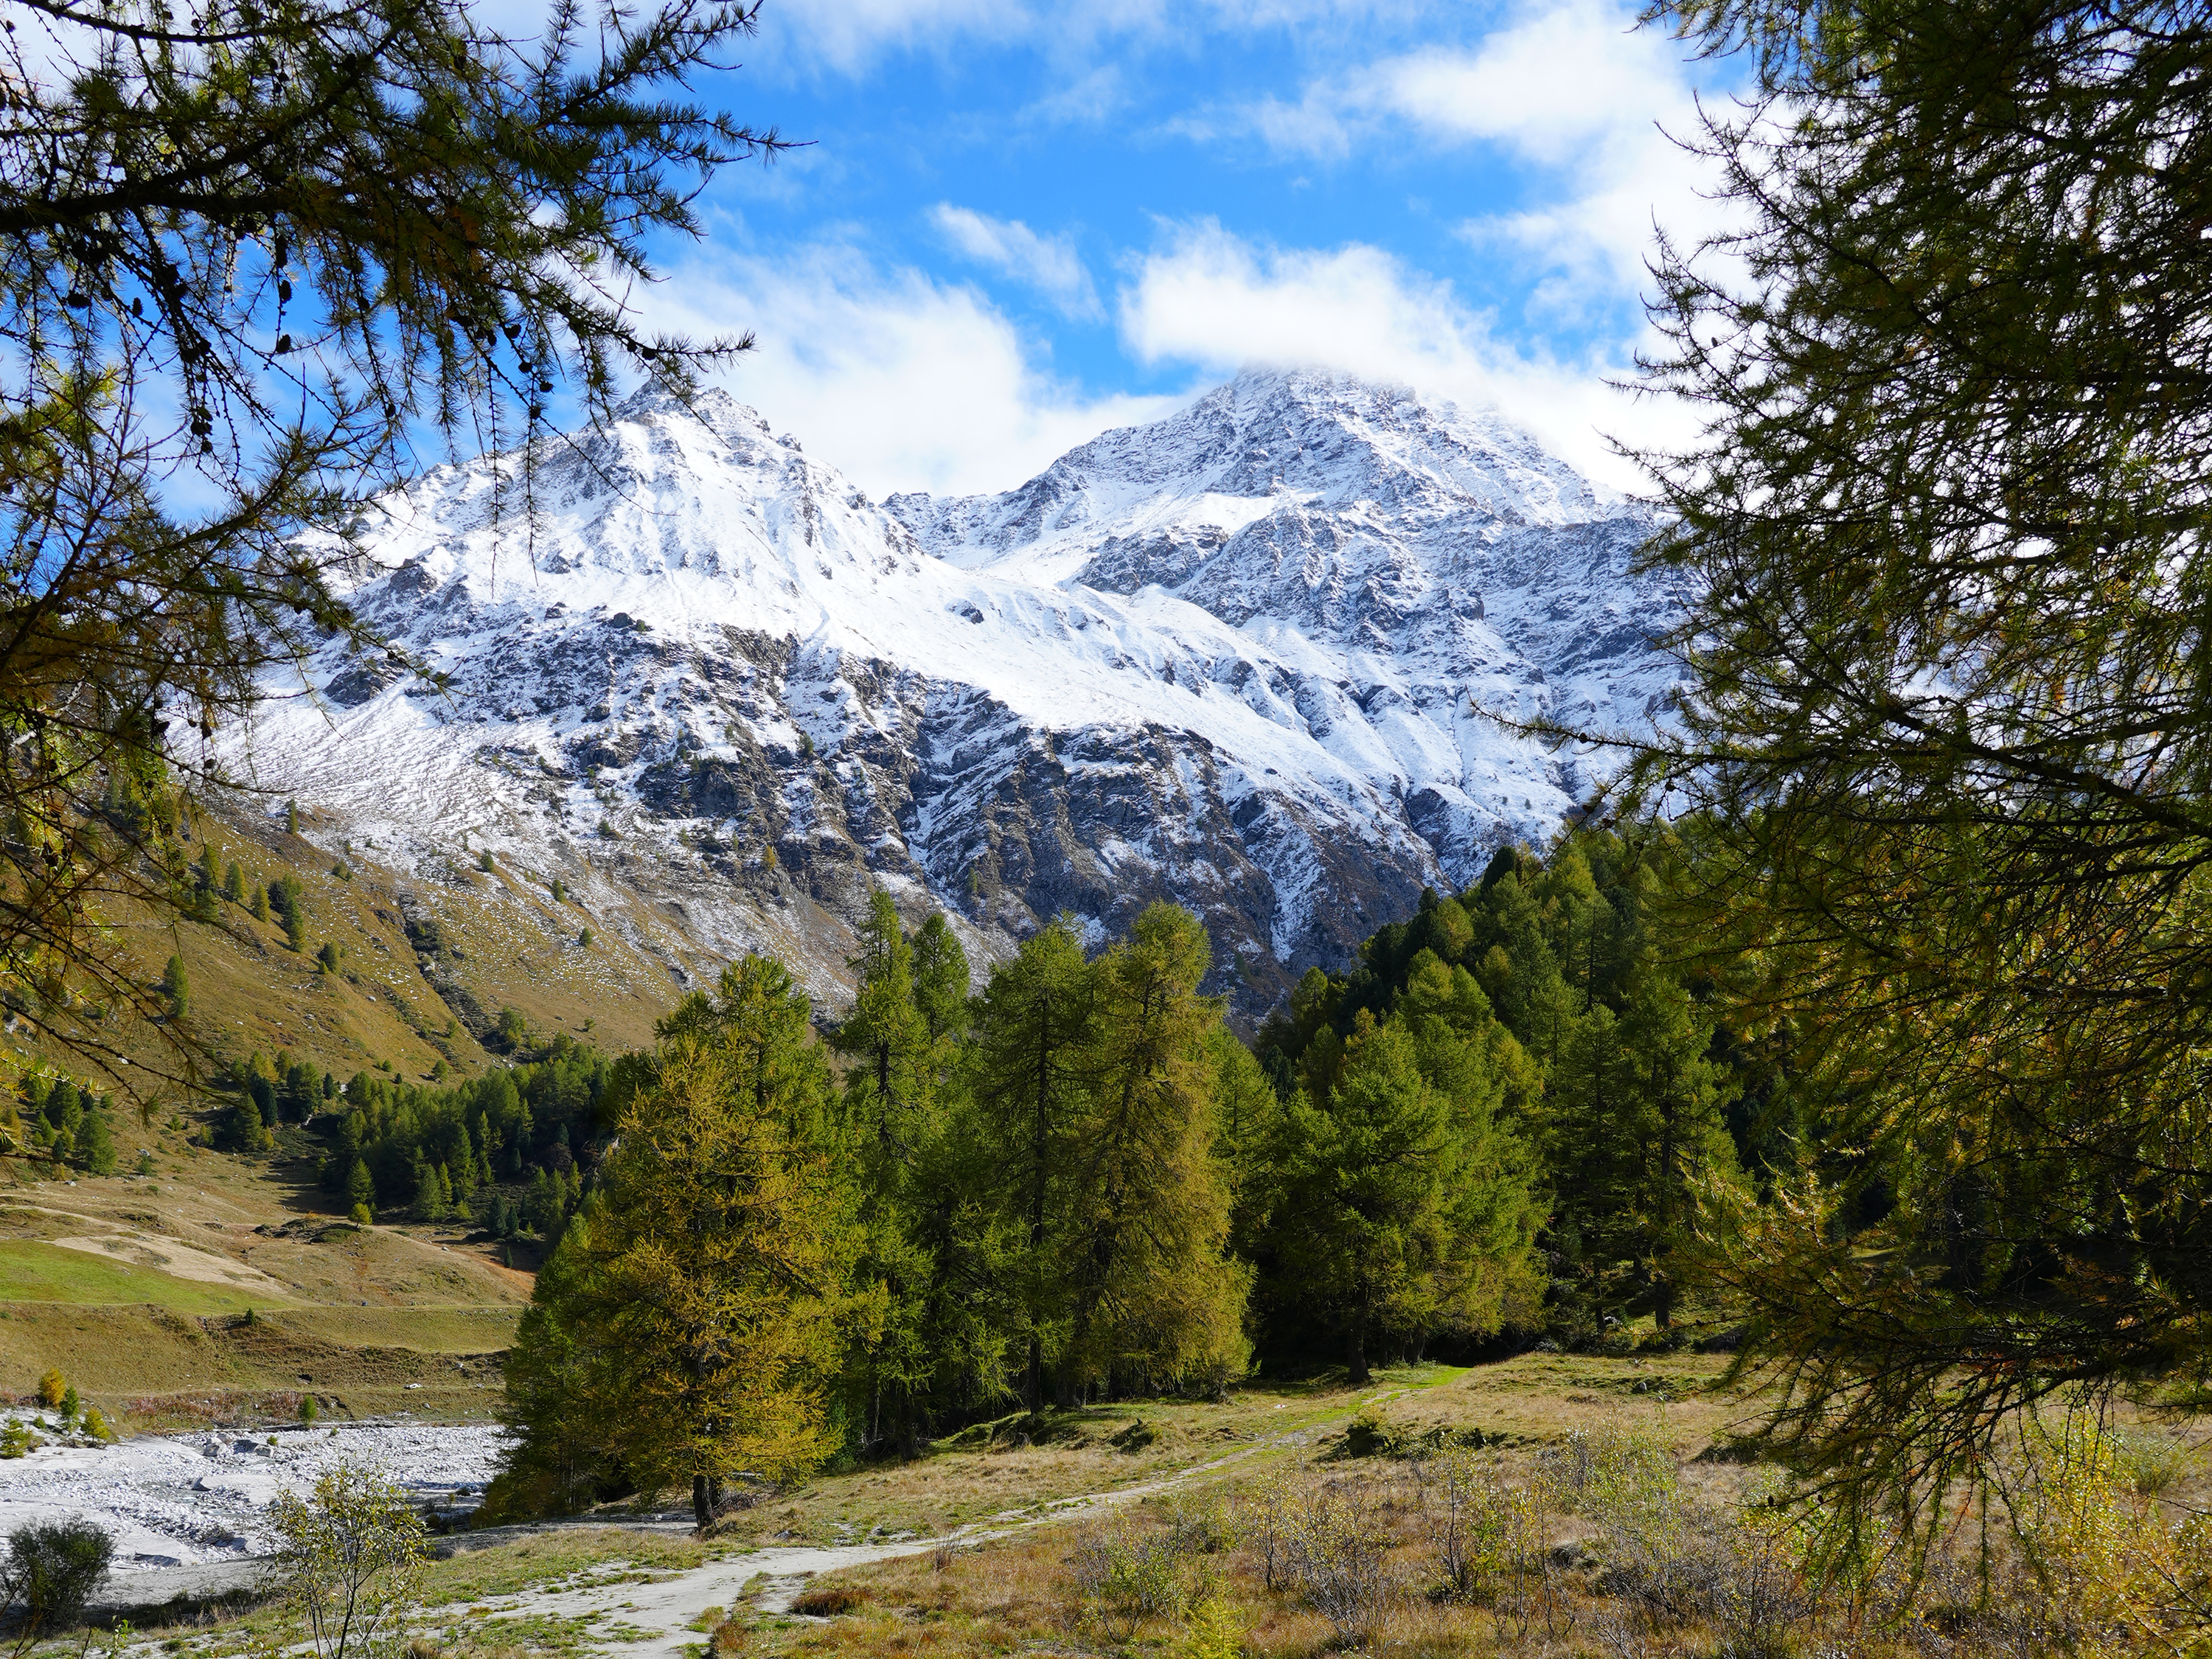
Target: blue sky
(1016,225)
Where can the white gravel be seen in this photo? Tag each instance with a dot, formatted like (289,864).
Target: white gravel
(185,1500)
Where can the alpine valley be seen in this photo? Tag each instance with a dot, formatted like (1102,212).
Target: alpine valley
(1245,658)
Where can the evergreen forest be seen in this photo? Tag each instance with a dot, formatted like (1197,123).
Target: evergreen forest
(1077,1184)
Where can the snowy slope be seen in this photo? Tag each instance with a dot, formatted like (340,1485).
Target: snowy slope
(1232,658)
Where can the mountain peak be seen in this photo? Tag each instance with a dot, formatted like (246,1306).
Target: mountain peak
(1232,657)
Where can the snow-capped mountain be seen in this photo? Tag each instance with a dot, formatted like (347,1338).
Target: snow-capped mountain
(1236,658)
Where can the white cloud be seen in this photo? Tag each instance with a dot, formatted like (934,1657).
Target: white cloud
(1551,87)
(850,35)
(1216,301)
(1584,100)
(901,381)
(1048,264)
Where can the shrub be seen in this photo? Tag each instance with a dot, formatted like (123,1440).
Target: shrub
(1128,1573)
(728,1638)
(1759,1596)
(1212,1632)
(1470,1524)
(52,1386)
(146,1165)
(52,1569)
(829,1601)
(95,1424)
(15,1439)
(1367,1436)
(308,1410)
(361,1215)
(1341,1566)
(350,1557)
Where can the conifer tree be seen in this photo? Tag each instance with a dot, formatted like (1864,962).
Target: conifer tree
(1030,1069)
(716,1266)
(1365,1176)
(95,1144)
(1944,734)
(1152,1294)
(558,1387)
(940,979)
(175,990)
(894,1132)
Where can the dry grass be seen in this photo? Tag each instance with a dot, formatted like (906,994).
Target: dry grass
(987,1473)
(1584,1593)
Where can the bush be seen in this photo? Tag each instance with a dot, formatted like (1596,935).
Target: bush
(828,1601)
(1367,1436)
(1128,1573)
(52,1569)
(351,1557)
(1341,1568)
(52,1386)
(1471,1524)
(1212,1632)
(1328,1542)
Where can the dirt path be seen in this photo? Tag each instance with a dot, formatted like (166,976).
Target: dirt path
(657,1620)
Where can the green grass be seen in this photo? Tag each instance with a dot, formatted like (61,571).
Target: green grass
(31,1272)
(606,1555)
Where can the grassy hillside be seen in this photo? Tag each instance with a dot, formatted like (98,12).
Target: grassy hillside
(425,965)
(225,1288)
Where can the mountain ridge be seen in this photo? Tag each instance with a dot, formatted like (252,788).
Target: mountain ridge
(1232,658)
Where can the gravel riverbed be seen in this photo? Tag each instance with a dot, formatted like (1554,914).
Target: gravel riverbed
(191,1499)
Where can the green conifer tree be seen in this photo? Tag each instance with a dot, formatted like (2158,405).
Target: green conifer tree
(1153,1295)
(95,1144)
(711,1286)
(175,988)
(1029,1071)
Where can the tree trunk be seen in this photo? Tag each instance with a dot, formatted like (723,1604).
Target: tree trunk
(1360,1375)
(703,1506)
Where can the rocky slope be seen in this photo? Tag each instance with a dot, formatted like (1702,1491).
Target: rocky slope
(1236,658)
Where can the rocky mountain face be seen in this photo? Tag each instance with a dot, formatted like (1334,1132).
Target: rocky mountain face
(1239,658)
